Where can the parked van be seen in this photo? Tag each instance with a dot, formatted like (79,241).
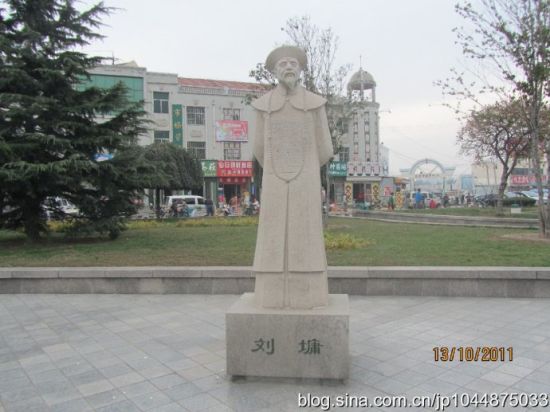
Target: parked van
(195,204)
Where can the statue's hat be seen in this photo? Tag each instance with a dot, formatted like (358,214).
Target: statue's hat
(285,51)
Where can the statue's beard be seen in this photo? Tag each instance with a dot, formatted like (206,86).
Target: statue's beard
(289,80)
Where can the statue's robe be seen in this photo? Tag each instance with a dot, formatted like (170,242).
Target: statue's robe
(292,142)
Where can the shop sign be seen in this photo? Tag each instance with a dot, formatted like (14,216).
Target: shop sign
(234,168)
(209,168)
(101,157)
(231,131)
(363,169)
(526,179)
(177,124)
(338,169)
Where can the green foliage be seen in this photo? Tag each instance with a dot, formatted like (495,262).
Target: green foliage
(172,168)
(60,226)
(49,132)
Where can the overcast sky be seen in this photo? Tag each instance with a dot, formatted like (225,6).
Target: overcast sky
(406,45)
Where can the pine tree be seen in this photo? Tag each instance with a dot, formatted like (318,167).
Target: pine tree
(50,134)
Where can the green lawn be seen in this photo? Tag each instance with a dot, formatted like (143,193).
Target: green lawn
(230,241)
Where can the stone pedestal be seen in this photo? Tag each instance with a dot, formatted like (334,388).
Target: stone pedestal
(291,343)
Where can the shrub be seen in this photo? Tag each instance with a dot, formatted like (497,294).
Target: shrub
(344,241)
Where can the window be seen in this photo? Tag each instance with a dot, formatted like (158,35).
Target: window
(195,115)
(197,150)
(231,114)
(231,151)
(344,154)
(162,136)
(160,102)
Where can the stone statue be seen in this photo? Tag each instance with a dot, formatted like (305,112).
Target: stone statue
(292,143)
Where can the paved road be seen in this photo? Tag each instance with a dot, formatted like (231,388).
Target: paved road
(166,353)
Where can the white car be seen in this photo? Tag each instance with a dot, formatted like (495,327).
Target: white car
(195,204)
(56,207)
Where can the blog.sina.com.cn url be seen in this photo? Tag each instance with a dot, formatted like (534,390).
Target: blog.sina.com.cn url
(435,401)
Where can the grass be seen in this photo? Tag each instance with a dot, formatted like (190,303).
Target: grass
(230,242)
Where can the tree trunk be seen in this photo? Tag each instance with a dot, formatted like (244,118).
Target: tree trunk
(157,202)
(546,207)
(32,223)
(543,216)
(501,189)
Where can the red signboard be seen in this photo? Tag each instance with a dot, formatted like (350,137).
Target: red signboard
(231,131)
(526,180)
(234,168)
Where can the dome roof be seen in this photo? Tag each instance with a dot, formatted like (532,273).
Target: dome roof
(361,76)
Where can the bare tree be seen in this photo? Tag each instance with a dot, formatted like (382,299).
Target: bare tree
(511,39)
(497,132)
(321,76)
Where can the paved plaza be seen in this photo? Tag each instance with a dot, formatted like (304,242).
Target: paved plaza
(167,352)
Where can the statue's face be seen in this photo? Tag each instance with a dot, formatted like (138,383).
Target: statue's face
(288,71)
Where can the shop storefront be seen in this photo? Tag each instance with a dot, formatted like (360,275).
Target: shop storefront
(234,179)
(337,172)
(363,190)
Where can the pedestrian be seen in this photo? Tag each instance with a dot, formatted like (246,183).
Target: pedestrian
(418,200)
(174,208)
(209,207)
(391,202)
(233,204)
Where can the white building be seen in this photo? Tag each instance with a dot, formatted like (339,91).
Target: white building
(210,118)
(365,175)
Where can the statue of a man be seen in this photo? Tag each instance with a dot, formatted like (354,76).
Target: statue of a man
(292,143)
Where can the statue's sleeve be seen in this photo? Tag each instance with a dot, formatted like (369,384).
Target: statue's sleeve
(258,147)
(324,141)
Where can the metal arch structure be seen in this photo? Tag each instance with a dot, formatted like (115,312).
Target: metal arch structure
(446,172)
(426,161)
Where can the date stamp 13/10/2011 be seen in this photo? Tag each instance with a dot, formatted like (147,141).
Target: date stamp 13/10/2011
(473,354)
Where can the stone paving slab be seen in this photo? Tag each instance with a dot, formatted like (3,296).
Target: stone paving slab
(167,353)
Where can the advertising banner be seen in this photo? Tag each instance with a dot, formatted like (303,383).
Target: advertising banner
(233,180)
(177,124)
(234,168)
(526,180)
(209,168)
(231,131)
(348,192)
(375,192)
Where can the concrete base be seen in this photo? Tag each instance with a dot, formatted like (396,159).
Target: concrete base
(288,343)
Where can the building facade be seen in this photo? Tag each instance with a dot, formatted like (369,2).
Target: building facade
(361,168)
(214,121)
(210,118)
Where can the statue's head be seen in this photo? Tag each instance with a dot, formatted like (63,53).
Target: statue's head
(286,63)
